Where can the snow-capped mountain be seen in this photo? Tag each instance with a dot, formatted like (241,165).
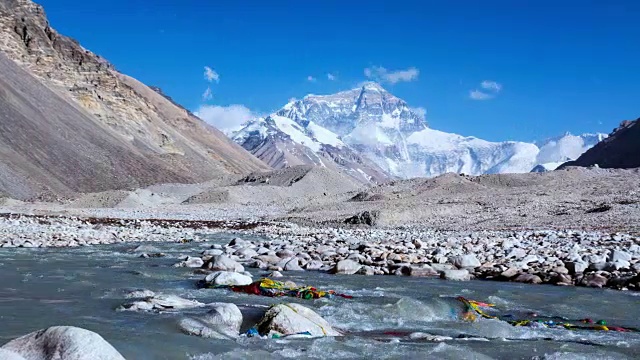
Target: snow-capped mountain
(373,135)
(280,142)
(367,115)
(557,151)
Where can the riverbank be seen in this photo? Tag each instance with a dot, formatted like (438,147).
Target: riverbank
(581,258)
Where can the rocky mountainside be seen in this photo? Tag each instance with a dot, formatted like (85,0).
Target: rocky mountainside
(388,137)
(620,150)
(282,142)
(70,122)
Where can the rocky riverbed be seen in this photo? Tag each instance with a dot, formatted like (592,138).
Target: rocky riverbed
(581,258)
(152,308)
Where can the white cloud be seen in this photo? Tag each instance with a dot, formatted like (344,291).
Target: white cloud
(491,86)
(311,79)
(489,90)
(225,118)
(207,95)
(331,77)
(381,74)
(422,112)
(211,75)
(479,95)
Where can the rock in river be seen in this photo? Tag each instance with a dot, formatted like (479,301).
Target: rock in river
(224,263)
(10,355)
(348,267)
(138,294)
(226,278)
(291,318)
(290,264)
(223,321)
(528,279)
(190,262)
(161,303)
(458,275)
(594,280)
(64,343)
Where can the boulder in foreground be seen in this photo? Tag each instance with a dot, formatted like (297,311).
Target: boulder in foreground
(62,343)
(9,355)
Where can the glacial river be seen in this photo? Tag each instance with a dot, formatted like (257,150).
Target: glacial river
(83,287)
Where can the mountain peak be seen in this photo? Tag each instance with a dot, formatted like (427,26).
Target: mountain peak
(372,86)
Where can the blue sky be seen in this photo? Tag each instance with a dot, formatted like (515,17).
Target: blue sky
(561,65)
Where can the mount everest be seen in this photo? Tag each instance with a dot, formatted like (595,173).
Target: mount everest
(373,135)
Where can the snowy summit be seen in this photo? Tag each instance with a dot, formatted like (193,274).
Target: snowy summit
(373,135)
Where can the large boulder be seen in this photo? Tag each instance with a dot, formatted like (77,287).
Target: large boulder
(424,270)
(221,322)
(227,278)
(10,355)
(224,263)
(269,259)
(190,262)
(517,253)
(62,343)
(348,267)
(616,255)
(246,253)
(238,242)
(576,267)
(528,279)
(145,248)
(290,264)
(509,273)
(364,218)
(457,275)
(289,319)
(212,252)
(442,267)
(314,265)
(594,280)
(161,303)
(617,265)
(366,270)
(465,261)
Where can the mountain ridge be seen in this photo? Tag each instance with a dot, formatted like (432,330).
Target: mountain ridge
(620,150)
(378,126)
(139,121)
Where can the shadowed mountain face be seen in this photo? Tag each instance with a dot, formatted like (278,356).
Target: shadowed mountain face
(70,123)
(620,150)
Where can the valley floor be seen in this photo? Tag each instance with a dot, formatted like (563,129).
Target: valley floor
(571,227)
(574,228)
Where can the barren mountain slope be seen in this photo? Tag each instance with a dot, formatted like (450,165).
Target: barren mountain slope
(620,150)
(89,126)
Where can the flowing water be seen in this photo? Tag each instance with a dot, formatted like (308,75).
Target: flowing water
(83,287)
